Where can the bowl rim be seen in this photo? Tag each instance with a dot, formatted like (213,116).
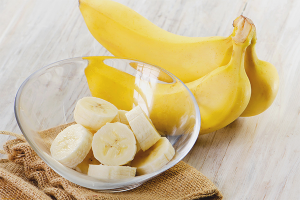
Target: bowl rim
(110,186)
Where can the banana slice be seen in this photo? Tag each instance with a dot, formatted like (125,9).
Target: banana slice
(84,165)
(72,145)
(111,172)
(121,117)
(93,112)
(154,158)
(136,111)
(138,146)
(114,144)
(142,127)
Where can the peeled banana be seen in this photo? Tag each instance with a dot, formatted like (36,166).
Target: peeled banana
(121,117)
(144,131)
(114,144)
(84,165)
(154,158)
(111,172)
(71,145)
(93,113)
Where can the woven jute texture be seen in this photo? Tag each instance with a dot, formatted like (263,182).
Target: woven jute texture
(24,176)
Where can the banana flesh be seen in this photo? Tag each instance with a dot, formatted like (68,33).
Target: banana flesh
(84,165)
(111,172)
(121,117)
(114,144)
(154,158)
(71,145)
(93,113)
(144,131)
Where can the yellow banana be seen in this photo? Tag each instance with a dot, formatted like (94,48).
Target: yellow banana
(264,81)
(222,95)
(127,34)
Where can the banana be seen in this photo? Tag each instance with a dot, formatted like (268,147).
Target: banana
(71,145)
(93,113)
(222,95)
(125,33)
(122,31)
(84,165)
(154,158)
(264,81)
(114,144)
(111,172)
(144,131)
(121,117)
(138,147)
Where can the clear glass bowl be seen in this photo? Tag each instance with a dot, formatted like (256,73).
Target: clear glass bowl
(47,99)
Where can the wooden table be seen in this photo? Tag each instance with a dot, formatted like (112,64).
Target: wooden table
(252,158)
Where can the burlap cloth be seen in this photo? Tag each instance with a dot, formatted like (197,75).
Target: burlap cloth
(24,176)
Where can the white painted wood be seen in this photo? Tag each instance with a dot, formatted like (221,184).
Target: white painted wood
(252,158)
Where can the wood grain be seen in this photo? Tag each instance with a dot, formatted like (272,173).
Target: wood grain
(252,158)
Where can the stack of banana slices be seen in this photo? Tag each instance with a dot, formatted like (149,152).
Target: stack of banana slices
(108,143)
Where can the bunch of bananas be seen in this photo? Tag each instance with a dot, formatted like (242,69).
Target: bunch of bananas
(224,73)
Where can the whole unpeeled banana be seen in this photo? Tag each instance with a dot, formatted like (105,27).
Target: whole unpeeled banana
(264,81)
(195,60)
(222,95)
(125,33)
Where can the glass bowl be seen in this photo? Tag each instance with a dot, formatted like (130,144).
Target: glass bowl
(47,99)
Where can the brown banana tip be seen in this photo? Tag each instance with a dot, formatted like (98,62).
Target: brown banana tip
(244,26)
(241,17)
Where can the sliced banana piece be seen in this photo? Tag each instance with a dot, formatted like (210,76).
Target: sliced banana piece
(84,165)
(114,144)
(128,164)
(71,145)
(93,112)
(136,111)
(142,127)
(111,172)
(154,158)
(121,117)
(138,146)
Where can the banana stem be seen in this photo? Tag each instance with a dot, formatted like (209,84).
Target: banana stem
(244,33)
(238,56)
(245,30)
(251,57)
